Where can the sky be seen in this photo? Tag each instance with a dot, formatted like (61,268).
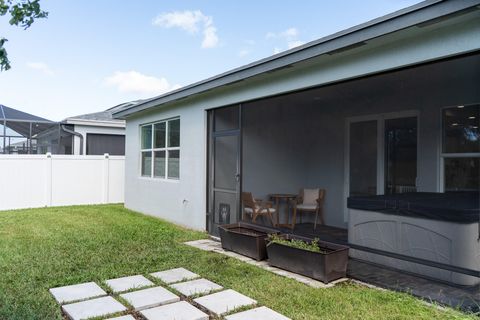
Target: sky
(92,55)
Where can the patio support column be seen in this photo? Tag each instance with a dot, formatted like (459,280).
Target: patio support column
(29,142)
(4,135)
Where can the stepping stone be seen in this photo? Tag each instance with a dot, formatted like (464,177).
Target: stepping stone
(175,275)
(128,283)
(262,313)
(98,307)
(127,317)
(200,286)
(148,298)
(176,311)
(225,301)
(77,292)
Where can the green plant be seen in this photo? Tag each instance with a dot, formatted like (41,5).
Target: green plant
(295,243)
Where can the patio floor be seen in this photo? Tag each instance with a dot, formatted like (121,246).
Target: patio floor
(466,298)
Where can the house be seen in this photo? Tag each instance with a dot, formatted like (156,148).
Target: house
(88,134)
(387,107)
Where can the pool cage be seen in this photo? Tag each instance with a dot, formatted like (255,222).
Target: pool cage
(24,133)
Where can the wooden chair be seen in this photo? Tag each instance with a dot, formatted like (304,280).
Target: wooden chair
(311,201)
(256,207)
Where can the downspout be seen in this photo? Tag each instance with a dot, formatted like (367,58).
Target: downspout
(75,134)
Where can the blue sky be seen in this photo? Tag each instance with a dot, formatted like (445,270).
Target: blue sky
(91,55)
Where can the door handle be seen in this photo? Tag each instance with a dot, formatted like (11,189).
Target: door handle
(237,177)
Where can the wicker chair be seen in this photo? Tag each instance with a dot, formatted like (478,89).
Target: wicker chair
(311,201)
(255,207)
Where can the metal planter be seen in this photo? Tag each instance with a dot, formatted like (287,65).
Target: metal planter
(246,239)
(325,267)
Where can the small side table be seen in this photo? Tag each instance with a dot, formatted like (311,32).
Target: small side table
(277,198)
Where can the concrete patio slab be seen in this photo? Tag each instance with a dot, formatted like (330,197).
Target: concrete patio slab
(77,292)
(128,283)
(262,313)
(225,301)
(175,311)
(175,275)
(127,317)
(99,307)
(193,287)
(148,298)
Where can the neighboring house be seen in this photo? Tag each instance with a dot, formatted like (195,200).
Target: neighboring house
(88,134)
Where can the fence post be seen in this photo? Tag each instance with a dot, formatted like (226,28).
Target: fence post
(48,180)
(106,176)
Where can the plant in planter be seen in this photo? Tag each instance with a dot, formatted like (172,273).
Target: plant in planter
(246,239)
(313,258)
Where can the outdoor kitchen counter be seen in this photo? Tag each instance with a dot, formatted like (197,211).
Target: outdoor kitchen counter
(458,207)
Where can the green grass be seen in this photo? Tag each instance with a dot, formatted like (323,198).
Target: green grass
(45,248)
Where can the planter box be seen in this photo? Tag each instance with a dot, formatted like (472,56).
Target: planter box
(246,239)
(325,267)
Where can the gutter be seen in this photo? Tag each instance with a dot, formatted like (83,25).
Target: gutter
(75,134)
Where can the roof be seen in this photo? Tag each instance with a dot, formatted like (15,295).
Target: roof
(20,121)
(429,10)
(101,116)
(10,114)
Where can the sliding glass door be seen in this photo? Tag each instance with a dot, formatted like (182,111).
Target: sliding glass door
(382,154)
(400,155)
(363,158)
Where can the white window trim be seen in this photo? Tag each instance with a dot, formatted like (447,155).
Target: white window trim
(446,155)
(380,119)
(153,150)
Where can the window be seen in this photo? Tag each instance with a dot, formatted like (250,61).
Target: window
(461,148)
(160,149)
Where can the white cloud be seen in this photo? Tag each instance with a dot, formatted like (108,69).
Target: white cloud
(192,22)
(290,36)
(136,82)
(42,67)
(210,38)
(244,52)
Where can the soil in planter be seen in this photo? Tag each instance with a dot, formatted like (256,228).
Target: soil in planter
(248,232)
(300,244)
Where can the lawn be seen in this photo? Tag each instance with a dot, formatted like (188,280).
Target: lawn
(50,247)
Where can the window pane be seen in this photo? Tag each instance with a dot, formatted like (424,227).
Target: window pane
(462,174)
(159,164)
(400,155)
(460,129)
(174,133)
(159,135)
(174,164)
(147,137)
(363,158)
(147,163)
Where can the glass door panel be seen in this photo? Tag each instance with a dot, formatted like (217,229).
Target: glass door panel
(363,158)
(226,162)
(400,155)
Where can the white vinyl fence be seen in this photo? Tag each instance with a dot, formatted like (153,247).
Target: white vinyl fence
(32,181)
